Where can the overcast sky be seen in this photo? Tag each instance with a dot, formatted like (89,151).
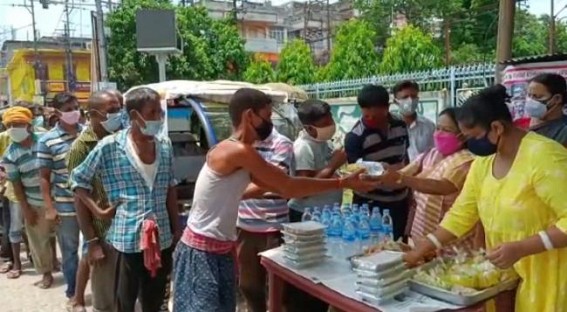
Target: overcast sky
(50,21)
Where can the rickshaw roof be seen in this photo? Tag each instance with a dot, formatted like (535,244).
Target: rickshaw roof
(219,91)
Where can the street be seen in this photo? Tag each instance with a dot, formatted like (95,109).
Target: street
(20,295)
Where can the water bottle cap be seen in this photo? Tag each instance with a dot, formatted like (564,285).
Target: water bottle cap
(387,211)
(307,209)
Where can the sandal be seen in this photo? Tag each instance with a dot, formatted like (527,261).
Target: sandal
(44,283)
(13,274)
(6,267)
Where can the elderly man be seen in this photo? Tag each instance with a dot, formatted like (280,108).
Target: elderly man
(22,171)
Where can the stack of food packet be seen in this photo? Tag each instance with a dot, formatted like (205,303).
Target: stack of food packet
(381,276)
(304,243)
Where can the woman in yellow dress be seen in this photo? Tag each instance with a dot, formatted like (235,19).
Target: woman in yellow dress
(518,191)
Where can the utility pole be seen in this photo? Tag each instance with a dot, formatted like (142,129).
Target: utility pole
(101,42)
(506,12)
(68,50)
(447,37)
(552,28)
(328,5)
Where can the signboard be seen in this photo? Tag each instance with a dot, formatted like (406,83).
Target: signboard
(82,86)
(55,86)
(150,38)
(517,77)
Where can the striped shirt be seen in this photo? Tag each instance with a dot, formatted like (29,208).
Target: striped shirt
(126,189)
(21,165)
(79,151)
(266,215)
(373,145)
(52,150)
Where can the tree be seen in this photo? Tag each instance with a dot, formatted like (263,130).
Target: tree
(213,49)
(469,54)
(354,52)
(530,35)
(259,71)
(410,49)
(296,64)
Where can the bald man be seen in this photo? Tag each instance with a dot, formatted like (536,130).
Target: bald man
(105,118)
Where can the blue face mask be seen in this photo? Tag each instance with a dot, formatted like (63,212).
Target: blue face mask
(152,128)
(38,121)
(112,123)
(535,108)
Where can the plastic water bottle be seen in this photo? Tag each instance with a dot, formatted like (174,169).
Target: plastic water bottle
(337,206)
(387,225)
(365,211)
(375,225)
(363,228)
(306,215)
(356,213)
(334,233)
(326,218)
(336,225)
(316,214)
(349,230)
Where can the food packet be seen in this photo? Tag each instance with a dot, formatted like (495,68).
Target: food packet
(303,238)
(307,228)
(292,242)
(396,270)
(304,249)
(380,261)
(381,282)
(373,299)
(383,290)
(302,264)
(306,256)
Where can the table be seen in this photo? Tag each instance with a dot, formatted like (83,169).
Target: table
(278,276)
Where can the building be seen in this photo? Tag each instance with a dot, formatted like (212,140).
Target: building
(266,27)
(39,84)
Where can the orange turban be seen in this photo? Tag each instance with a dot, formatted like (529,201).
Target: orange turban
(17,114)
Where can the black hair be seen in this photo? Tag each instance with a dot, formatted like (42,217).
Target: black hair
(118,94)
(244,99)
(452,112)
(481,109)
(98,98)
(554,83)
(311,111)
(61,99)
(405,84)
(24,103)
(373,96)
(140,97)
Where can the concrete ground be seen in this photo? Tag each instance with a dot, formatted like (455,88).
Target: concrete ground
(20,295)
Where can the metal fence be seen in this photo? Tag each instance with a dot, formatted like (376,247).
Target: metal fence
(459,82)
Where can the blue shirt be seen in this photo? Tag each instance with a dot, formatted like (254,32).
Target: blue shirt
(128,191)
(52,149)
(21,166)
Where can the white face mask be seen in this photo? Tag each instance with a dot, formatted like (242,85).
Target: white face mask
(408,106)
(326,133)
(18,134)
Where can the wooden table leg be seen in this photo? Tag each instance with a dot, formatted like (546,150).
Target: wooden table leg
(275,300)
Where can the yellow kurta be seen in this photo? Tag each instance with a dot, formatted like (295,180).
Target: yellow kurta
(529,199)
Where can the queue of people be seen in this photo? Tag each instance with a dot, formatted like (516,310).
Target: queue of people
(472,180)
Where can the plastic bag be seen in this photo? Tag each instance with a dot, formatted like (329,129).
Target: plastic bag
(385,290)
(381,282)
(379,261)
(304,249)
(306,228)
(380,299)
(303,238)
(396,270)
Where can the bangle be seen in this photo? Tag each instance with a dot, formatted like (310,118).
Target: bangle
(92,240)
(545,240)
(434,240)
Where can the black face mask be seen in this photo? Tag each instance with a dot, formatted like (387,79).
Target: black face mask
(264,130)
(482,146)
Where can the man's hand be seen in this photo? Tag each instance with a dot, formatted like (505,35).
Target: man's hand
(390,178)
(95,252)
(354,181)
(30,215)
(177,233)
(51,214)
(106,213)
(338,158)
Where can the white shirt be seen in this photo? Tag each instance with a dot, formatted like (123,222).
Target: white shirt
(148,171)
(420,137)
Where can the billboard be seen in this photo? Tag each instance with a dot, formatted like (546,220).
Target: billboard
(517,77)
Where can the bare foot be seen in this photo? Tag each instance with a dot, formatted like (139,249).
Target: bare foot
(45,282)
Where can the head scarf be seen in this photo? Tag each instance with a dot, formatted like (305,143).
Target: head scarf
(17,114)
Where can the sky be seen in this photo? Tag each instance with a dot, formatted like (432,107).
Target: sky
(50,22)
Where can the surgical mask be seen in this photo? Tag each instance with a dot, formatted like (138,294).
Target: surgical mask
(535,108)
(446,143)
(152,128)
(325,133)
(18,134)
(70,118)
(482,146)
(264,130)
(113,122)
(38,121)
(408,106)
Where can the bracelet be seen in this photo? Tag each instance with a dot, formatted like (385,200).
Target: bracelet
(434,240)
(545,240)
(92,240)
